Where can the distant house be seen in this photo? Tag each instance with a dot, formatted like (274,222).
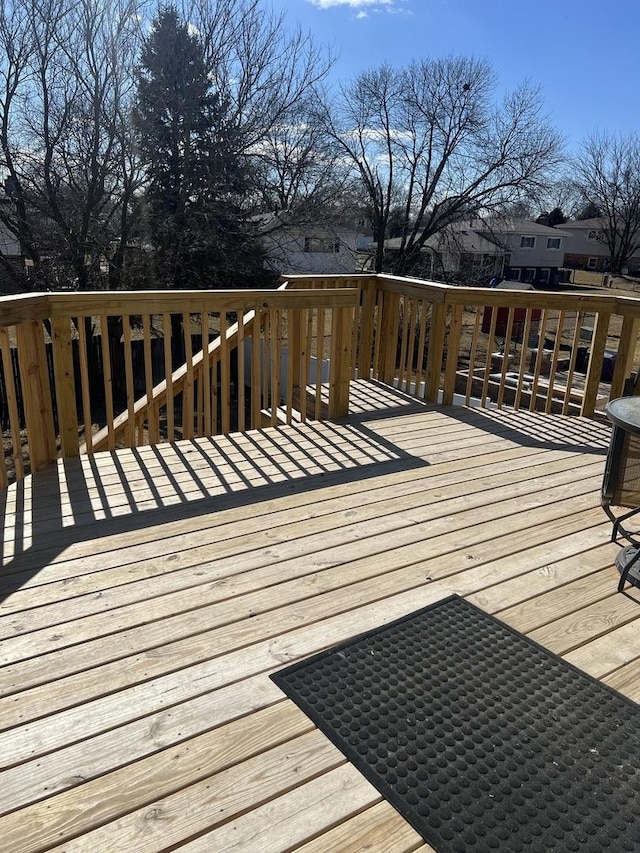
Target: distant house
(533,253)
(515,249)
(464,254)
(587,249)
(295,246)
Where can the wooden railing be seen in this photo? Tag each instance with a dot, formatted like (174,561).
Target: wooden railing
(246,358)
(566,352)
(92,371)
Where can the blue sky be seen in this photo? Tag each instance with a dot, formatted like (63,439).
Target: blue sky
(583,54)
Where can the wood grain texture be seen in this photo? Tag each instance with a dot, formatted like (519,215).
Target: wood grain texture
(147,594)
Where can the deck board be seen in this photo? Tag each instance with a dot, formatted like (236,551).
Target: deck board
(146,595)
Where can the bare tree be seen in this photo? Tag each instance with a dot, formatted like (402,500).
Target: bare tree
(66,80)
(430,139)
(298,168)
(263,69)
(606,174)
(68,160)
(16,48)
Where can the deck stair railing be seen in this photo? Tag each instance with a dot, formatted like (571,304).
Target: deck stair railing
(247,360)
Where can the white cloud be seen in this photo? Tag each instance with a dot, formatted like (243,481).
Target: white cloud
(352,4)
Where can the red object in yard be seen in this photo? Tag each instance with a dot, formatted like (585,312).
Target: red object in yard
(502,318)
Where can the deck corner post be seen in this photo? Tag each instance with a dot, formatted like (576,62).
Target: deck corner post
(436,351)
(625,356)
(36,394)
(594,371)
(452,352)
(340,364)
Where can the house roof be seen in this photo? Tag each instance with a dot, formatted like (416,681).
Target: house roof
(517,226)
(482,237)
(463,241)
(466,240)
(289,221)
(585,224)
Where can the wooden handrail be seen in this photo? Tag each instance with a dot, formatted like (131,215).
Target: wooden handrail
(47,401)
(510,347)
(158,395)
(392,299)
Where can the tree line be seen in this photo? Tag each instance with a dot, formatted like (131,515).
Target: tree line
(140,143)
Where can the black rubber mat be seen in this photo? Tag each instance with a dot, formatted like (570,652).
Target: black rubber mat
(481,738)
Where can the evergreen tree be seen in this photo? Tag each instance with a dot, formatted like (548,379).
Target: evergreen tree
(552,218)
(195,179)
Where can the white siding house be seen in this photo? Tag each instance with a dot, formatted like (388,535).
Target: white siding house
(299,247)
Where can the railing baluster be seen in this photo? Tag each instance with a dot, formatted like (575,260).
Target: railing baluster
(594,371)
(215,366)
(405,311)
(168,373)
(130,432)
(379,313)
(240,389)
(572,363)
(553,366)
(411,344)
(12,400)
(267,401)
(305,358)
(152,419)
(538,362)
(472,357)
(421,318)
(225,376)
(487,363)
(65,386)
(293,359)
(205,372)
(506,354)
(524,349)
(355,330)
(188,390)
(85,384)
(319,361)
(276,361)
(4,474)
(108,381)
(256,386)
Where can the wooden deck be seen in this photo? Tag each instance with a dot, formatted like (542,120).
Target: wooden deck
(147,595)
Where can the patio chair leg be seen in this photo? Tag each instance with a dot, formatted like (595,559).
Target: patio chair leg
(627,568)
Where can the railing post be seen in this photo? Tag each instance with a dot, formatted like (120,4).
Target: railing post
(388,331)
(36,394)
(294,347)
(625,355)
(598,345)
(436,350)
(367,312)
(340,365)
(455,333)
(65,386)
